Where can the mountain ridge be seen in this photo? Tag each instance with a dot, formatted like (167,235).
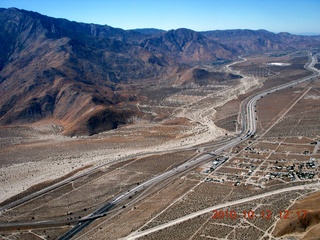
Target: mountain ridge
(82,74)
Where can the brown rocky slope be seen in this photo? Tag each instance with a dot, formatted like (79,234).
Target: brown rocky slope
(84,76)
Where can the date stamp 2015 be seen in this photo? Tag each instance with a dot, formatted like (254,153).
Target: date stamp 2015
(251,214)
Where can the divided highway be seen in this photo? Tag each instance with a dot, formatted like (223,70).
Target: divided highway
(249,128)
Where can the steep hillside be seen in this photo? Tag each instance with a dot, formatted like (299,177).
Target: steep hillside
(249,41)
(53,68)
(186,45)
(84,76)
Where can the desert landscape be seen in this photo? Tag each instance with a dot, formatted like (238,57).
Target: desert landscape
(119,159)
(150,134)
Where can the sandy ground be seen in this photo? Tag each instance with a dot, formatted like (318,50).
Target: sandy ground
(31,155)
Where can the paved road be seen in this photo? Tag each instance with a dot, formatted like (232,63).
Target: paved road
(249,129)
(135,235)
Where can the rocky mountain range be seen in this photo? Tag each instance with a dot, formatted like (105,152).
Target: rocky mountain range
(83,75)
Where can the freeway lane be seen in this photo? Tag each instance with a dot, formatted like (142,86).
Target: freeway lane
(83,223)
(249,128)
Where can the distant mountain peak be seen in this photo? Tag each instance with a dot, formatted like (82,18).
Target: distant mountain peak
(68,71)
(149,31)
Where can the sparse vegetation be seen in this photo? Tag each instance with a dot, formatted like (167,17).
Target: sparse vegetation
(162,102)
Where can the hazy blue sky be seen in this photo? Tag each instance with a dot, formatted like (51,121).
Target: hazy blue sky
(294,16)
